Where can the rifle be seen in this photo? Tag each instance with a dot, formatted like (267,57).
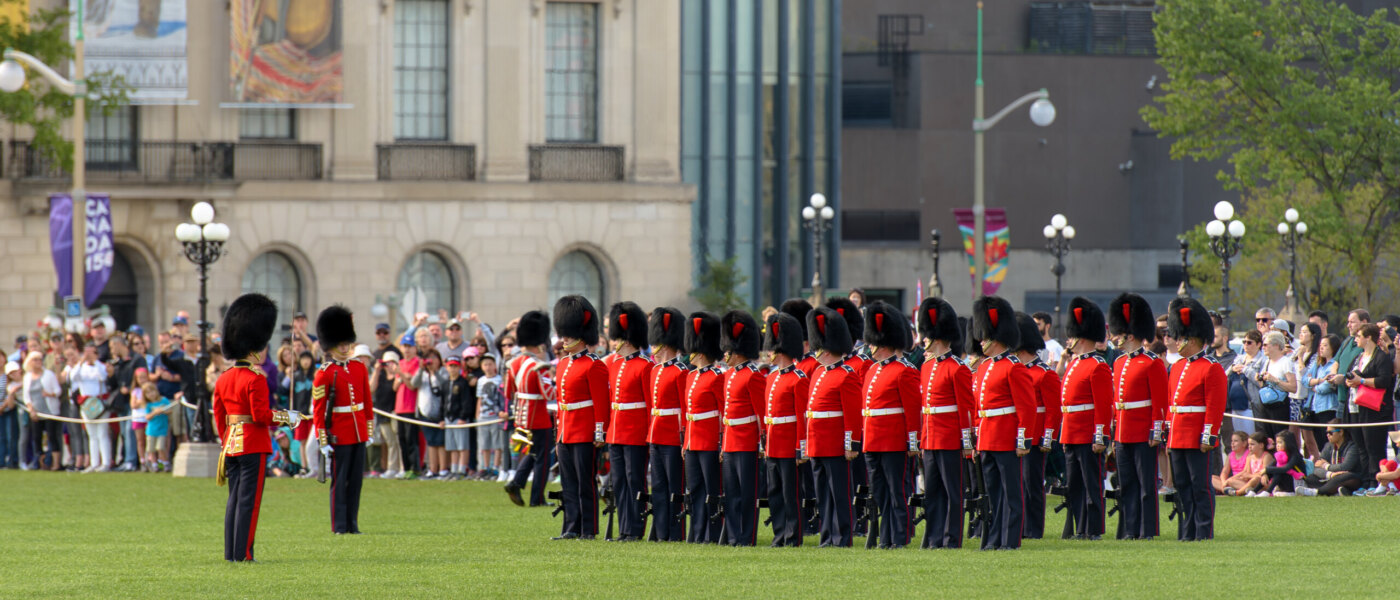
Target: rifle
(763,503)
(716,506)
(610,509)
(644,501)
(1062,491)
(558,497)
(979,505)
(330,404)
(865,512)
(1175,499)
(917,500)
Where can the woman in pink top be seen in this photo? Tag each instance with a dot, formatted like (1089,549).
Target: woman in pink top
(406,402)
(1234,464)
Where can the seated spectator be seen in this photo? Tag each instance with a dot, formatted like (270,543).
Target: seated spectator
(1234,465)
(1250,481)
(1288,466)
(1388,478)
(1337,470)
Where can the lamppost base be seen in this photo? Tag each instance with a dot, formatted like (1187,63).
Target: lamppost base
(196,459)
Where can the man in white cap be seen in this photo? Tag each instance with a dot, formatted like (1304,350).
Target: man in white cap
(9,417)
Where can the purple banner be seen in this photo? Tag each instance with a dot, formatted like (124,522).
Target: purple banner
(98,253)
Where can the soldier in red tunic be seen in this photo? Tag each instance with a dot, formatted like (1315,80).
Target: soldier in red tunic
(799,309)
(785,420)
(833,414)
(1086,401)
(630,376)
(1197,406)
(342,412)
(859,360)
(704,397)
(890,418)
(529,394)
(1140,406)
(666,393)
(807,363)
(1042,432)
(1005,395)
(743,409)
(242,415)
(946,440)
(582,391)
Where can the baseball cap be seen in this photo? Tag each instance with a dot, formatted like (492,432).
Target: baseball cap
(454,360)
(1282,325)
(21,339)
(298,315)
(11,367)
(454,323)
(390,356)
(472,352)
(136,329)
(361,350)
(180,321)
(381,327)
(407,340)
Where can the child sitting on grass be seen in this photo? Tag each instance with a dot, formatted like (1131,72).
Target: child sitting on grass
(1234,463)
(1245,482)
(157,428)
(1288,466)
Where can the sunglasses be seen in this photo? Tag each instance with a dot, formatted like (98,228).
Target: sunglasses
(507,345)
(1249,343)
(1263,320)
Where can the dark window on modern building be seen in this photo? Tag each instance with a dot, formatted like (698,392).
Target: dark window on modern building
(571,72)
(111,139)
(1091,28)
(867,104)
(1168,275)
(880,226)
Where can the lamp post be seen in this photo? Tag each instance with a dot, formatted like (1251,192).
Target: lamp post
(1225,242)
(1184,290)
(816,217)
(1292,231)
(1042,114)
(204,244)
(1057,238)
(935,288)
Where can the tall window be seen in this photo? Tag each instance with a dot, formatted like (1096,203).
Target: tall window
(272,274)
(267,124)
(571,72)
(426,284)
(576,273)
(420,69)
(111,139)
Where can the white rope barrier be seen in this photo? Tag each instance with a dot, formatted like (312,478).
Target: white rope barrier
(43,416)
(1291,423)
(437,425)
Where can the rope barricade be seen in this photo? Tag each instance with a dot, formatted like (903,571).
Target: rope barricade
(1291,423)
(84,421)
(437,425)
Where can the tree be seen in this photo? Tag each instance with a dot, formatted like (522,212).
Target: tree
(38,105)
(1301,96)
(718,289)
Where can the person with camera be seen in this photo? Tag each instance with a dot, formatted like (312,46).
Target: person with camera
(1244,373)
(1276,381)
(88,379)
(1372,383)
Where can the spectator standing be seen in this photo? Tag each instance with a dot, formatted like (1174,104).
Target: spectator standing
(1276,382)
(1300,401)
(172,369)
(406,404)
(88,383)
(1322,401)
(158,411)
(1335,472)
(286,362)
(1374,369)
(41,396)
(383,340)
(458,409)
(491,405)
(1053,350)
(140,380)
(455,344)
(9,419)
(1264,320)
(431,383)
(381,388)
(100,341)
(1320,319)
(123,368)
(1346,359)
(1245,371)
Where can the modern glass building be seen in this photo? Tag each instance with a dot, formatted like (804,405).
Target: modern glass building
(760,134)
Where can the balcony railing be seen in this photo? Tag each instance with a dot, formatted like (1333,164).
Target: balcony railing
(426,161)
(276,160)
(577,162)
(174,162)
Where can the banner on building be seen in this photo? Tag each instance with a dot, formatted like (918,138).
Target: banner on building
(143,41)
(285,52)
(98,251)
(996,250)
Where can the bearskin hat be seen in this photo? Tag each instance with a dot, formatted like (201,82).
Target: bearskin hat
(826,330)
(702,335)
(575,317)
(248,325)
(886,327)
(1085,321)
(784,335)
(1130,314)
(627,322)
(799,309)
(665,328)
(970,345)
(739,334)
(993,319)
(533,329)
(335,326)
(1187,319)
(1030,334)
(938,321)
(855,323)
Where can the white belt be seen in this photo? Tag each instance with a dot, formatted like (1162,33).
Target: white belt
(529,396)
(702,416)
(880,412)
(348,409)
(1074,408)
(567,406)
(997,412)
(1040,410)
(780,420)
(741,420)
(629,405)
(1132,405)
(1188,409)
(552,407)
(665,412)
(825,414)
(938,410)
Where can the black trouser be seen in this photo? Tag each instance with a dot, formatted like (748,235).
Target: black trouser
(1137,490)
(536,463)
(578,480)
(859,477)
(1331,486)
(1277,411)
(1280,479)
(889,487)
(704,488)
(1084,491)
(245,485)
(408,443)
(784,502)
(667,482)
(1371,441)
(1033,493)
(1191,477)
(740,472)
(833,490)
(1001,472)
(943,498)
(348,476)
(628,475)
(471,449)
(806,482)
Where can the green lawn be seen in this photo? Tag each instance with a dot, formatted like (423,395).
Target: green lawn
(133,535)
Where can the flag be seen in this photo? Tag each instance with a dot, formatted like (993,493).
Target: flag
(996,249)
(98,250)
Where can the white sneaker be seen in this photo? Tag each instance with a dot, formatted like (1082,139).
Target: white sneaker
(388,474)
(1282,494)
(1307,491)
(101,469)
(1164,490)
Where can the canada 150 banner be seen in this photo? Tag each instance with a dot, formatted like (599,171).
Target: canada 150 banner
(998,242)
(143,41)
(285,51)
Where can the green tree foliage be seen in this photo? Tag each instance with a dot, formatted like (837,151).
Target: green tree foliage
(718,289)
(1301,96)
(39,106)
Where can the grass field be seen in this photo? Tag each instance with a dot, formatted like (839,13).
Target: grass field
(124,535)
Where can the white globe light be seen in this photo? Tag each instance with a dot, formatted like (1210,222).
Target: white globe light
(1215,228)
(216,232)
(1283,228)
(202,213)
(1058,221)
(818,200)
(1302,228)
(809,213)
(1069,232)
(1042,112)
(1291,215)
(1236,229)
(828,213)
(1049,232)
(11,76)
(1224,210)
(379,310)
(187,232)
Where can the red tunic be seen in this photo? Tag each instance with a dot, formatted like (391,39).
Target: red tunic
(1197,406)
(582,392)
(1086,399)
(809,364)
(1005,403)
(1140,386)
(704,390)
(785,412)
(525,385)
(666,396)
(1047,409)
(946,386)
(352,414)
(743,408)
(890,412)
(243,391)
(629,383)
(833,411)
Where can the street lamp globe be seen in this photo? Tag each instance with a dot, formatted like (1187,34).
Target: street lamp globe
(379,310)
(809,213)
(818,200)
(1224,210)
(1042,112)
(1069,232)
(1302,228)
(202,213)
(1049,231)
(11,76)
(1291,215)
(827,213)
(1058,221)
(216,232)
(1283,228)
(1215,228)
(1236,229)
(187,232)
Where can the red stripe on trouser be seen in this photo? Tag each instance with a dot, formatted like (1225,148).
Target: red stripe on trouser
(1020,497)
(1103,515)
(257,505)
(904,491)
(592,472)
(753,539)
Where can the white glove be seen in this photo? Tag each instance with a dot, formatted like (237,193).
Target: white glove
(293,418)
(326,452)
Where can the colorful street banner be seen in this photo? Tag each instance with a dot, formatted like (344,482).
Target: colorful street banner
(996,250)
(141,40)
(285,52)
(99,252)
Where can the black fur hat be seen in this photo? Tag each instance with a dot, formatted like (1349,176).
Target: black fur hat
(971,346)
(665,328)
(784,335)
(533,329)
(993,319)
(248,325)
(335,326)
(1130,314)
(1085,321)
(627,322)
(1186,318)
(1030,334)
(855,323)
(885,327)
(799,309)
(739,334)
(938,321)
(826,330)
(575,317)
(702,335)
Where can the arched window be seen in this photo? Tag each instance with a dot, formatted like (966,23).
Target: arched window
(273,275)
(426,284)
(577,273)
